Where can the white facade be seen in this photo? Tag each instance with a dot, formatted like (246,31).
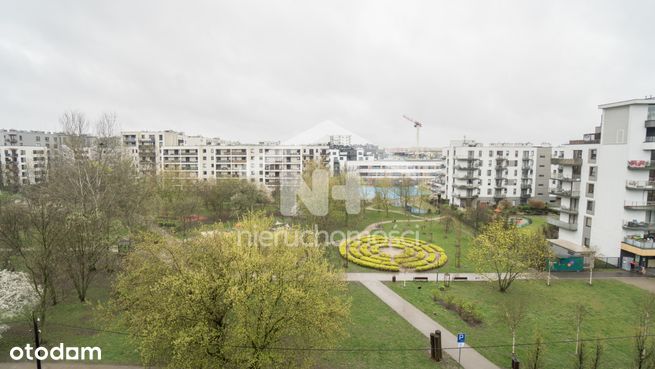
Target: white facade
(494,172)
(266,165)
(614,193)
(12,137)
(22,165)
(417,170)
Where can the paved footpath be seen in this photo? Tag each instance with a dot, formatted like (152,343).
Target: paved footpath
(471,359)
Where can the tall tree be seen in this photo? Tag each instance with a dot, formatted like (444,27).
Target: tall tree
(508,252)
(35,231)
(100,196)
(224,301)
(383,194)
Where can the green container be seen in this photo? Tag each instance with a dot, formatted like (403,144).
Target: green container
(571,264)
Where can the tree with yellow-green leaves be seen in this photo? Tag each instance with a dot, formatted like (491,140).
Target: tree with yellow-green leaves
(231,300)
(508,252)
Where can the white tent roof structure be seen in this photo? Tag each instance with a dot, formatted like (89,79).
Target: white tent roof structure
(320,134)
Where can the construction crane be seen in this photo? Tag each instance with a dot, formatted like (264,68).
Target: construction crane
(418,126)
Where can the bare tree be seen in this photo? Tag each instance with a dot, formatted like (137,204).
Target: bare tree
(513,312)
(34,231)
(644,347)
(580,313)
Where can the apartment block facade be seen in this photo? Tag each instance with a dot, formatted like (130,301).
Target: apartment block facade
(606,187)
(263,164)
(478,173)
(22,165)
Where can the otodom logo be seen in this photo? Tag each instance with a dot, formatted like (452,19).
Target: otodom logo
(56,353)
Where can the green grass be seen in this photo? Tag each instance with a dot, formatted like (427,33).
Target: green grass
(613,308)
(537,222)
(116,348)
(433,231)
(374,325)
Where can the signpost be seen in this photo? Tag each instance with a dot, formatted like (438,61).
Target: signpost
(461,339)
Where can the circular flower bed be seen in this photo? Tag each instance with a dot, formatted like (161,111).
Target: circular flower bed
(390,254)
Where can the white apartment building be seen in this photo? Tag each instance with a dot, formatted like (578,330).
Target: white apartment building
(267,165)
(12,137)
(22,165)
(606,184)
(420,171)
(144,147)
(478,173)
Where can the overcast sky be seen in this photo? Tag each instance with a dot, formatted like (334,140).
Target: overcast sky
(266,70)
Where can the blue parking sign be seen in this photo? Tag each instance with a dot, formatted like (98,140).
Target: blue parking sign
(461,337)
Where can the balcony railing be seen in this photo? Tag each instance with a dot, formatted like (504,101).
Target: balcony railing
(467,186)
(641,164)
(639,205)
(640,243)
(466,195)
(562,224)
(635,225)
(564,193)
(467,167)
(650,139)
(566,161)
(563,178)
(640,185)
(499,195)
(566,209)
(467,158)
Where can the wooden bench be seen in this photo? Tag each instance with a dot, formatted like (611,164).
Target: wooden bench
(421,279)
(461,278)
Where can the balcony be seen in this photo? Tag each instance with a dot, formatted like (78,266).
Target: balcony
(467,167)
(641,243)
(634,225)
(465,177)
(466,196)
(639,205)
(466,158)
(499,195)
(564,193)
(467,186)
(566,209)
(564,178)
(640,185)
(566,161)
(526,195)
(641,164)
(562,224)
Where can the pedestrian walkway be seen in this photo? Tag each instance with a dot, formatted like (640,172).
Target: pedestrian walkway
(470,358)
(400,277)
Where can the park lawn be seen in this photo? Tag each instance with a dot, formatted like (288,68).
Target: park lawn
(433,232)
(116,348)
(537,222)
(374,325)
(613,308)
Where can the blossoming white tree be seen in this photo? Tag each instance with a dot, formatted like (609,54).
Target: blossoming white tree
(16,295)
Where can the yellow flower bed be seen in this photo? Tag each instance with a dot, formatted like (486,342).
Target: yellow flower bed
(418,255)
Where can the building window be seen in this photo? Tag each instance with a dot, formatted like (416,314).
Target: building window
(587,221)
(590,188)
(586,241)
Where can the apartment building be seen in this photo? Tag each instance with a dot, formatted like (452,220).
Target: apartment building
(12,137)
(22,165)
(419,171)
(144,147)
(606,187)
(264,164)
(478,173)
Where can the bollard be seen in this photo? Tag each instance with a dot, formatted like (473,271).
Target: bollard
(515,362)
(393,278)
(438,355)
(433,347)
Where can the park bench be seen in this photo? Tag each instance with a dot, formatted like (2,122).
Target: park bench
(423,279)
